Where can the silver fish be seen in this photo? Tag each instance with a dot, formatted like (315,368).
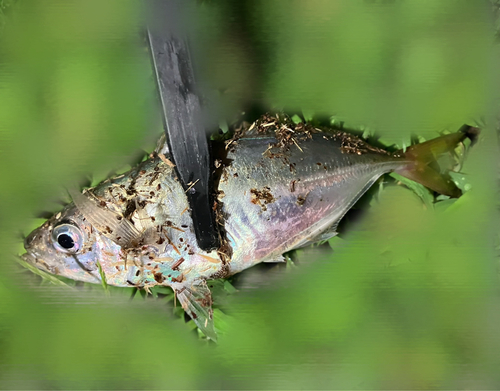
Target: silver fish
(280,187)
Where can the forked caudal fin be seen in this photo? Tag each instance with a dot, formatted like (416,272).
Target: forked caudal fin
(423,167)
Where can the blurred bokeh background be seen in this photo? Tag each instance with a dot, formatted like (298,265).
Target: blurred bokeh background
(408,297)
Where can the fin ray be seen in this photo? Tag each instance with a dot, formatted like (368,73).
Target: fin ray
(197,302)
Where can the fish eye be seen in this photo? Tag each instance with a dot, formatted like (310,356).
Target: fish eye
(67,238)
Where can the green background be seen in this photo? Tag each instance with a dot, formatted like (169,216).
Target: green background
(409,297)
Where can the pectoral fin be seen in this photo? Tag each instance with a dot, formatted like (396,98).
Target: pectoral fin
(197,302)
(329,233)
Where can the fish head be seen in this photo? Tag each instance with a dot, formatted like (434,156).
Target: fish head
(67,245)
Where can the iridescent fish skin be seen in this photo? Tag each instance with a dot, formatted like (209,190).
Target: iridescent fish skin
(272,198)
(279,200)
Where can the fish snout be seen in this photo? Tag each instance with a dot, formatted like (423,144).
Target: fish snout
(29,240)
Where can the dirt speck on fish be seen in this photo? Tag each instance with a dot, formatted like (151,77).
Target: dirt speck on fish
(273,183)
(262,197)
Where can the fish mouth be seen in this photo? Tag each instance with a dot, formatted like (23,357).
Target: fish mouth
(34,261)
(28,258)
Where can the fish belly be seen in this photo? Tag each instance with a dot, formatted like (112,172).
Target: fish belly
(275,200)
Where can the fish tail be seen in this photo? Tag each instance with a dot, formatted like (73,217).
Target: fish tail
(423,164)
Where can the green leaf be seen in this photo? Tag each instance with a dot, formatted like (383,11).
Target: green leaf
(441,206)
(217,288)
(104,281)
(335,242)
(223,126)
(220,321)
(460,180)
(162,290)
(296,119)
(229,288)
(308,115)
(420,190)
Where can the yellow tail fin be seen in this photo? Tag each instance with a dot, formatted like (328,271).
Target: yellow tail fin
(424,156)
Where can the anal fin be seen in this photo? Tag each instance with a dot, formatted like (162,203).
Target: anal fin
(278,259)
(329,233)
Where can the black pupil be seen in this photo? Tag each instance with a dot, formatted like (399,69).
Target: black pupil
(65,241)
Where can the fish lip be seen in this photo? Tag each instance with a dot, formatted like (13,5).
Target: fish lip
(31,259)
(28,258)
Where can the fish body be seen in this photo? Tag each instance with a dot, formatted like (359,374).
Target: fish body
(277,200)
(274,194)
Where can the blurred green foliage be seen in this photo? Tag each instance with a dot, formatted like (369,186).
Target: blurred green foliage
(409,296)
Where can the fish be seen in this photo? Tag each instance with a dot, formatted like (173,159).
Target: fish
(278,185)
